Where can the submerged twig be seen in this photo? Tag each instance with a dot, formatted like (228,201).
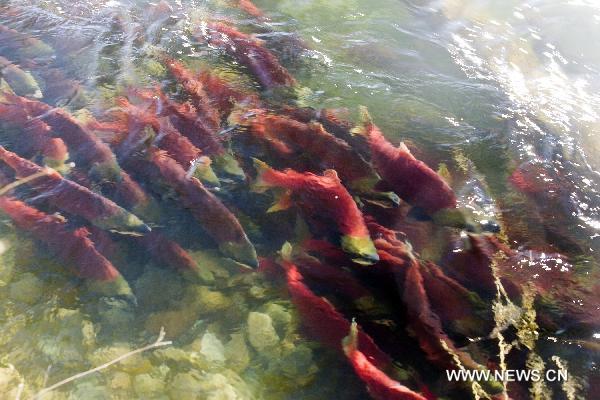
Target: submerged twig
(158,343)
(47,375)
(20,390)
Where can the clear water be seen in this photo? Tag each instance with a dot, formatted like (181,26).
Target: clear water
(499,83)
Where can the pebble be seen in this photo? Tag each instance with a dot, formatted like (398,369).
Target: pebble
(261,333)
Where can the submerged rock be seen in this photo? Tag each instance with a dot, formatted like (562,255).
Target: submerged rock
(237,353)
(116,315)
(7,261)
(170,356)
(27,290)
(67,336)
(9,381)
(135,364)
(261,333)
(298,363)
(206,301)
(186,386)
(92,389)
(176,321)
(212,348)
(148,386)
(156,287)
(226,385)
(120,381)
(282,318)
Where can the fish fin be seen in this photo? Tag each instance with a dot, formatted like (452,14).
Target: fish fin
(283,202)
(331,173)
(5,89)
(365,120)
(286,251)
(201,168)
(301,230)
(237,116)
(402,148)
(444,173)
(350,342)
(259,185)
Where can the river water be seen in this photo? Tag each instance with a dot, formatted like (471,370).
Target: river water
(485,88)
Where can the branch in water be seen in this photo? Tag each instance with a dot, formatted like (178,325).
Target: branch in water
(158,343)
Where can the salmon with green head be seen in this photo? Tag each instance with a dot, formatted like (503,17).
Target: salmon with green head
(410,178)
(72,198)
(379,385)
(325,197)
(217,220)
(320,317)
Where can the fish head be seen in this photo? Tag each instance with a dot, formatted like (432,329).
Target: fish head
(242,252)
(361,248)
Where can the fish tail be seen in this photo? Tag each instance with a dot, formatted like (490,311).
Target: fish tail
(350,342)
(261,184)
(201,168)
(283,201)
(365,120)
(286,251)
(242,116)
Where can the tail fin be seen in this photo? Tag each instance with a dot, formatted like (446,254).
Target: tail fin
(361,129)
(445,173)
(241,115)
(260,185)
(286,251)
(350,342)
(5,89)
(201,168)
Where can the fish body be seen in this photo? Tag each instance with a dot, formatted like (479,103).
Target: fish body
(250,8)
(186,120)
(426,325)
(22,46)
(20,81)
(325,197)
(179,147)
(207,209)
(166,251)
(324,322)
(379,385)
(195,89)
(73,198)
(294,137)
(339,280)
(249,52)
(410,178)
(225,97)
(86,150)
(72,247)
